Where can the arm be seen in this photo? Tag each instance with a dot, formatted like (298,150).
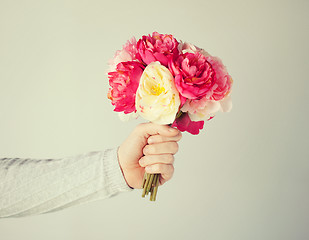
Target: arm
(33,186)
(30,186)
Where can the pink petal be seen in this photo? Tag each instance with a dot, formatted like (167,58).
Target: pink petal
(147,57)
(184,123)
(161,58)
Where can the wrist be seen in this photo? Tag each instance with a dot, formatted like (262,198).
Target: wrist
(122,167)
(113,176)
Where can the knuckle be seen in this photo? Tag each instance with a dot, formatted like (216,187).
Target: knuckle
(168,173)
(175,147)
(170,159)
(180,136)
(172,170)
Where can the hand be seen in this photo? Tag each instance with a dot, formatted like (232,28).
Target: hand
(151,148)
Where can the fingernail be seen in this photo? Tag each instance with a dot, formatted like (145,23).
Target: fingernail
(150,140)
(146,150)
(141,162)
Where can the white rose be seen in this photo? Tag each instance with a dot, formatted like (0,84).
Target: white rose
(157,98)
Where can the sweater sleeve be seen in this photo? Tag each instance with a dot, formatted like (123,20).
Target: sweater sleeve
(35,186)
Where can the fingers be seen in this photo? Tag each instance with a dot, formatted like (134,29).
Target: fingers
(166,171)
(161,138)
(161,148)
(159,152)
(155,159)
(159,158)
(149,129)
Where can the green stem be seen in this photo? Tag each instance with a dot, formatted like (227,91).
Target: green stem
(153,185)
(146,184)
(149,183)
(144,179)
(155,190)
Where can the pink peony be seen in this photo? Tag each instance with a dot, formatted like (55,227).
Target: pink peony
(184,123)
(158,47)
(193,75)
(124,82)
(222,79)
(198,76)
(128,53)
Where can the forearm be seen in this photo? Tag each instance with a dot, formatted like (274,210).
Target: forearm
(29,186)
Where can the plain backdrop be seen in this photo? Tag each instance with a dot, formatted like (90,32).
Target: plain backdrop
(245,176)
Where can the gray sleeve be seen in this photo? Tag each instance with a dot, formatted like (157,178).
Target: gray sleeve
(35,186)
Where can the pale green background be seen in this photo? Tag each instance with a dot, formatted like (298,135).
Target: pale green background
(245,177)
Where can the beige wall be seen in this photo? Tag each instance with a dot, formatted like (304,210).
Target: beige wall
(245,177)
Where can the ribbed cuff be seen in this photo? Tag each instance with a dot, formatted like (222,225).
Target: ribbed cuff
(114,178)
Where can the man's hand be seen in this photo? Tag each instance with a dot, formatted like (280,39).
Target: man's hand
(151,148)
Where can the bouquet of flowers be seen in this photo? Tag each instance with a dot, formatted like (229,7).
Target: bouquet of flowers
(166,81)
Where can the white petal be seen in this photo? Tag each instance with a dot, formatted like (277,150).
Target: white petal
(126,117)
(211,107)
(226,104)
